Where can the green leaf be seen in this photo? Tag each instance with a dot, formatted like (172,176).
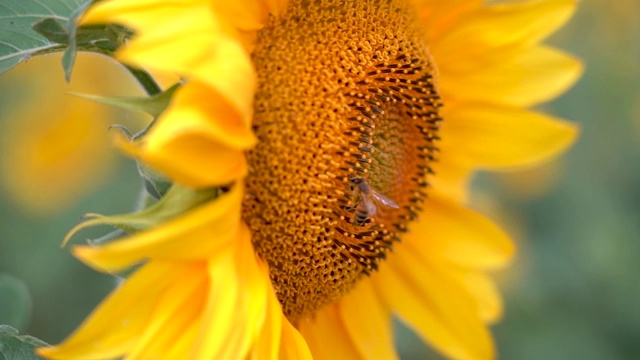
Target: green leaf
(18,347)
(15,300)
(152,105)
(18,41)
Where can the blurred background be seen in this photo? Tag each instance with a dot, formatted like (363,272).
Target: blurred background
(572,293)
(56,163)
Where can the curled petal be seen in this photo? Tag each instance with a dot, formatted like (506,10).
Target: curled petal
(199,141)
(218,61)
(198,234)
(210,48)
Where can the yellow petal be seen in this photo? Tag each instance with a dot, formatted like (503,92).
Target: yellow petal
(184,29)
(482,289)
(267,346)
(134,14)
(199,141)
(236,305)
(524,23)
(189,38)
(253,274)
(445,6)
(448,231)
(530,77)
(276,7)
(367,322)
(152,19)
(451,178)
(245,15)
(440,311)
(205,55)
(294,346)
(216,222)
(196,108)
(194,160)
(220,312)
(433,12)
(495,137)
(176,310)
(183,343)
(116,325)
(439,17)
(327,336)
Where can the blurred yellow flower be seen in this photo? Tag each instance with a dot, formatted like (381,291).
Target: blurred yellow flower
(55,147)
(323,123)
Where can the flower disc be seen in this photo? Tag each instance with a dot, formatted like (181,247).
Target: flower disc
(346,117)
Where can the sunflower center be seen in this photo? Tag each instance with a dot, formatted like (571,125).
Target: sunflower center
(346,113)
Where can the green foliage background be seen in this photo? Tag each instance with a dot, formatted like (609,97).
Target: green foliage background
(572,294)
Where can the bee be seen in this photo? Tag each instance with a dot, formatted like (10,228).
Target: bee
(369,200)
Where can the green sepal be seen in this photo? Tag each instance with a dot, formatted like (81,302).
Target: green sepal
(102,39)
(69,57)
(152,105)
(178,200)
(18,347)
(156,184)
(114,235)
(52,30)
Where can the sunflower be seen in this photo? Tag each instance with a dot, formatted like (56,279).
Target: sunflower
(339,137)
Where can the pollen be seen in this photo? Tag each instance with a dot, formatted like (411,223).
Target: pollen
(346,113)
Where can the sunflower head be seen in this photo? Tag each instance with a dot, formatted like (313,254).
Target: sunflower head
(343,155)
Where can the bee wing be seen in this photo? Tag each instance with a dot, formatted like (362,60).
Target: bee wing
(369,205)
(384,200)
